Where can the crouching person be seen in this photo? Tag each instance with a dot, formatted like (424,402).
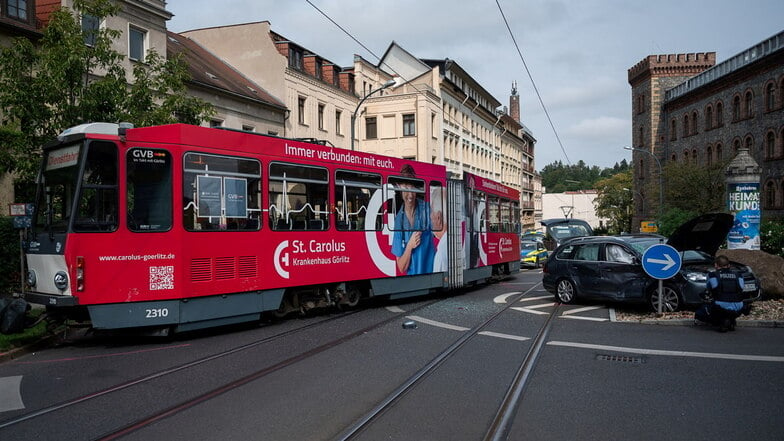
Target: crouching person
(725,288)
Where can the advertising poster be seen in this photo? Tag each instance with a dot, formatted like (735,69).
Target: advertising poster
(744,203)
(235,200)
(209,195)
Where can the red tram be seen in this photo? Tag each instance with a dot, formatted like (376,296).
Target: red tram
(180,227)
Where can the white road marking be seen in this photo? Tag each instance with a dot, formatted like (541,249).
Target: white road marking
(502,298)
(11,393)
(586,308)
(394,309)
(669,353)
(506,336)
(437,324)
(528,299)
(590,319)
(460,328)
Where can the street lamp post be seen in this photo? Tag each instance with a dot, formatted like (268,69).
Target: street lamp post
(572,182)
(661,180)
(389,83)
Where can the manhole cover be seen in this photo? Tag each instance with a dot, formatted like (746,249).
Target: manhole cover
(621,358)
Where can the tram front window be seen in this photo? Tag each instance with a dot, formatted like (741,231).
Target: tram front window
(95,193)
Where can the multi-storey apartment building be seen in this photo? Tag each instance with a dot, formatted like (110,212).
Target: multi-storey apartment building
(239,102)
(688,108)
(434,112)
(259,80)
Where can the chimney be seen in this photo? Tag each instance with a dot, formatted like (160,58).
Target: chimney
(514,103)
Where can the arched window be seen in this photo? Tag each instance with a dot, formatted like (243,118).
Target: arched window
(694,157)
(694,117)
(736,108)
(749,143)
(780,152)
(641,174)
(674,157)
(769,195)
(641,138)
(735,146)
(709,155)
(770,96)
(686,125)
(770,145)
(685,156)
(709,117)
(748,102)
(673,130)
(718,152)
(719,114)
(781,92)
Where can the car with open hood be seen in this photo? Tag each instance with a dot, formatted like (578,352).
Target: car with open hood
(610,267)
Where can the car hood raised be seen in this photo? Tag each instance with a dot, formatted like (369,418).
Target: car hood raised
(704,233)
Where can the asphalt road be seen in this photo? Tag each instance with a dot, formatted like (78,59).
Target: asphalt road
(316,377)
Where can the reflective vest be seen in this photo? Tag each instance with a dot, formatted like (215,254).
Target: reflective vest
(729,289)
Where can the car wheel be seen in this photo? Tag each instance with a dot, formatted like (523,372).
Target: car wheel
(565,291)
(671,299)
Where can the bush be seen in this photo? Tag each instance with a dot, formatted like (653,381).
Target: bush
(9,256)
(772,236)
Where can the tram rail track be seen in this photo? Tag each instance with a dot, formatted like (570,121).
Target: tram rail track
(201,361)
(499,427)
(501,424)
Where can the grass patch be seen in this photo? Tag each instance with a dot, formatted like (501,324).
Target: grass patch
(30,335)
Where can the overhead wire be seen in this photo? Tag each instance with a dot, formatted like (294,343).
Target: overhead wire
(533,83)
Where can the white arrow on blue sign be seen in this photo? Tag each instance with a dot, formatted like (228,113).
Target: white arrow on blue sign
(661,261)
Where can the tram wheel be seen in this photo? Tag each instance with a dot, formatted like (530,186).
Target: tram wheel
(351,298)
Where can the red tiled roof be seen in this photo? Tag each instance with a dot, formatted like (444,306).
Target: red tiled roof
(207,69)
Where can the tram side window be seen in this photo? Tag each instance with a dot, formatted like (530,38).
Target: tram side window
(97,203)
(221,193)
(437,206)
(479,212)
(353,191)
(506,216)
(493,214)
(149,192)
(516,217)
(298,197)
(412,213)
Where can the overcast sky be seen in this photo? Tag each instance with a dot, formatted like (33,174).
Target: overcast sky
(577,52)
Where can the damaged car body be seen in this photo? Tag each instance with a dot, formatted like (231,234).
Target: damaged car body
(610,267)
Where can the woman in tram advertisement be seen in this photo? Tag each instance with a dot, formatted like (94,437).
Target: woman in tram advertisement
(412,243)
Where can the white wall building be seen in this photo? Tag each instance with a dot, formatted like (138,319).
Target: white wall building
(574,204)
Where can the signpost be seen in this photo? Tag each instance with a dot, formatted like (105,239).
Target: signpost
(22,218)
(661,262)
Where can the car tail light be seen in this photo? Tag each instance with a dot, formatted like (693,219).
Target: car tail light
(80,273)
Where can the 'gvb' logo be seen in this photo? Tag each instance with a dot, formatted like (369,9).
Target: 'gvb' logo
(284,259)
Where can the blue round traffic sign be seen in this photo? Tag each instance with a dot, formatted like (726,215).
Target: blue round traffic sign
(661,261)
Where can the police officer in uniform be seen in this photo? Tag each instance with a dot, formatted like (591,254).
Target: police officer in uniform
(725,287)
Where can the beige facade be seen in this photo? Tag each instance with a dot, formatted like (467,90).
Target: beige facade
(318,107)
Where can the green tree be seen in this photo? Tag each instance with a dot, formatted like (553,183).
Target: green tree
(62,81)
(694,188)
(614,201)
(557,177)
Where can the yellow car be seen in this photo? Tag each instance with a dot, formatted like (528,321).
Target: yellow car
(533,253)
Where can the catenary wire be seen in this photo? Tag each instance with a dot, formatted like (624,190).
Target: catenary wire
(530,77)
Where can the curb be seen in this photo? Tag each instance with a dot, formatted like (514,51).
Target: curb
(26,349)
(741,323)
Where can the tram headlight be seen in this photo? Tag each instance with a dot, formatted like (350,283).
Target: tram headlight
(61,280)
(31,279)
(80,273)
